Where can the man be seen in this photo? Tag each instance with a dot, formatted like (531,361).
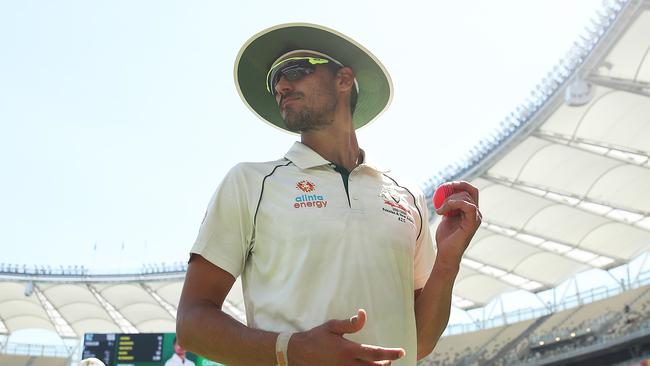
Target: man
(179,358)
(323,233)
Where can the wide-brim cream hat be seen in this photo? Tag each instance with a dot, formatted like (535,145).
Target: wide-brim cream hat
(254,60)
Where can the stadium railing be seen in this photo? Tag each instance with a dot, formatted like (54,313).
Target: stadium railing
(35,350)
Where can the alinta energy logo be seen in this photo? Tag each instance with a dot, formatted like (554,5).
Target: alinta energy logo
(309,200)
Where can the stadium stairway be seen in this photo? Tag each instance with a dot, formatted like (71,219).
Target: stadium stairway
(512,344)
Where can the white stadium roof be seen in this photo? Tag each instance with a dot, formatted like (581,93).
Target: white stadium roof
(563,189)
(564,185)
(72,304)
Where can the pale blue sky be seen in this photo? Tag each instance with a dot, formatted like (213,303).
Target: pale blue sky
(119,118)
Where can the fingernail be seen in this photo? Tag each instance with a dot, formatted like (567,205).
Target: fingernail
(402,354)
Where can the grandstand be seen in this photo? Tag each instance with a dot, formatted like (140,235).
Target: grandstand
(564,187)
(617,327)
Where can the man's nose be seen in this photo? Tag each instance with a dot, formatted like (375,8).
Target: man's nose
(283,86)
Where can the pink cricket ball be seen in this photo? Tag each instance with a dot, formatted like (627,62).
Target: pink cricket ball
(442,192)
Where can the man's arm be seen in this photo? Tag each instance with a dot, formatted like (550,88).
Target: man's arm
(454,233)
(203,328)
(432,308)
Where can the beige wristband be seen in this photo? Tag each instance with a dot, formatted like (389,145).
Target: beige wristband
(281,345)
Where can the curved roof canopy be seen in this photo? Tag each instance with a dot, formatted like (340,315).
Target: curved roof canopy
(73,304)
(565,184)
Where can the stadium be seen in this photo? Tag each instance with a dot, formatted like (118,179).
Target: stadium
(555,212)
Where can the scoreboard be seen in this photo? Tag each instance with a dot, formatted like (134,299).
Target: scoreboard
(101,346)
(140,349)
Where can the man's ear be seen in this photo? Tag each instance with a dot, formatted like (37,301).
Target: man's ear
(345,78)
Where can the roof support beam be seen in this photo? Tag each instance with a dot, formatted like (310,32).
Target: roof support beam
(234,311)
(503,275)
(3,327)
(645,259)
(567,250)
(171,309)
(461,302)
(630,86)
(621,153)
(117,317)
(635,218)
(75,353)
(61,325)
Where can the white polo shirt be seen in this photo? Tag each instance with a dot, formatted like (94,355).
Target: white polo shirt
(308,252)
(176,360)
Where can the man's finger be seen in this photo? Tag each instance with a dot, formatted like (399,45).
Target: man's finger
(352,325)
(372,353)
(464,195)
(467,187)
(469,210)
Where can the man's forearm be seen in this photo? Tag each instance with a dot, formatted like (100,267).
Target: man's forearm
(433,306)
(208,331)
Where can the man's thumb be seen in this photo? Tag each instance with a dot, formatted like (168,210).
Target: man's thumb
(352,325)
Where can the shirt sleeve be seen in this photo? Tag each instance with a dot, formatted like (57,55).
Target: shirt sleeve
(225,234)
(424,253)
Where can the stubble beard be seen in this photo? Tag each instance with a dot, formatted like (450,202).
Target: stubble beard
(309,118)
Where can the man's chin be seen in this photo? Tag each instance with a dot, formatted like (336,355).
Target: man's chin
(299,128)
(292,124)
(302,122)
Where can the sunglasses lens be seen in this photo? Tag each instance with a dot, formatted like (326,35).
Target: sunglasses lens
(292,70)
(291,73)
(297,73)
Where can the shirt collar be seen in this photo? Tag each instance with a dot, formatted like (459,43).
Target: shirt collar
(371,164)
(304,158)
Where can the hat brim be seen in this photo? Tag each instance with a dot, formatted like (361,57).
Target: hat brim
(258,53)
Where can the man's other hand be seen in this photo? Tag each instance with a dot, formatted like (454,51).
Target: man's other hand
(325,345)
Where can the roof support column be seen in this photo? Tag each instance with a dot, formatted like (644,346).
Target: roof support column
(234,311)
(568,250)
(645,259)
(117,317)
(61,325)
(3,327)
(635,218)
(75,354)
(547,305)
(620,84)
(171,309)
(620,153)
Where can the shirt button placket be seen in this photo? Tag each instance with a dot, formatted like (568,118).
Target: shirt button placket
(354,196)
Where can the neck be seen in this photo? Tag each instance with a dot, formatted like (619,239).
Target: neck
(336,143)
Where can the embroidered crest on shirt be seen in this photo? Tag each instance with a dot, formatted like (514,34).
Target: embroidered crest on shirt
(393,205)
(313,200)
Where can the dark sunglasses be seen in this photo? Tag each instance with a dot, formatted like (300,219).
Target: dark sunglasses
(294,68)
